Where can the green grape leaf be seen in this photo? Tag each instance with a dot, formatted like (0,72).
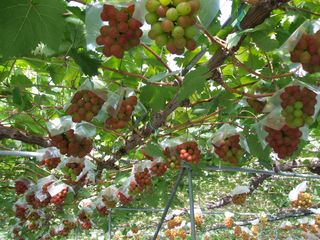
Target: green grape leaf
(194,81)
(25,23)
(88,64)
(21,81)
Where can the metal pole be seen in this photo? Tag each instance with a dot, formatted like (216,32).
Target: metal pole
(109,230)
(20,153)
(172,194)
(191,203)
(266,172)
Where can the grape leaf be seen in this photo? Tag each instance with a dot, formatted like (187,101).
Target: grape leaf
(194,81)
(24,24)
(21,81)
(89,64)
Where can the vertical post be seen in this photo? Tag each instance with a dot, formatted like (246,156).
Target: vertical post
(109,220)
(172,194)
(191,203)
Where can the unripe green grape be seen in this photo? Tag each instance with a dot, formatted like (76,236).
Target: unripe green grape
(151,18)
(309,120)
(156,28)
(152,5)
(298,105)
(297,122)
(172,165)
(180,42)
(178,32)
(297,113)
(195,5)
(176,2)
(165,2)
(190,32)
(162,40)
(172,14)
(183,8)
(152,35)
(289,109)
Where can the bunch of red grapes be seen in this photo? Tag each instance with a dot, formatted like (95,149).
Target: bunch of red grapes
(158,169)
(109,201)
(33,216)
(103,210)
(134,188)
(72,144)
(84,221)
(172,160)
(75,168)
(50,163)
(307,52)
(283,141)
(69,225)
(20,211)
(35,202)
(85,105)
(122,33)
(298,104)
(22,186)
(59,198)
(189,152)
(123,115)
(173,23)
(229,149)
(143,178)
(124,198)
(256,104)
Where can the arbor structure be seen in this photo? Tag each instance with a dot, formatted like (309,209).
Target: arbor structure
(105,104)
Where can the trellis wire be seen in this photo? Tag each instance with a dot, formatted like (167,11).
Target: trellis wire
(265,172)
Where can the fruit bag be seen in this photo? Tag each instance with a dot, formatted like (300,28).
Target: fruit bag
(229,145)
(72,139)
(50,157)
(87,103)
(303,47)
(109,196)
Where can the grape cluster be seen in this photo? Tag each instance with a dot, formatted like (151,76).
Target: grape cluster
(298,105)
(33,226)
(50,163)
(123,198)
(20,211)
(85,105)
(237,231)
(123,115)
(74,169)
(283,141)
(239,199)
(143,178)
(255,230)
(158,169)
(103,210)
(21,186)
(176,234)
(122,33)
(134,188)
(69,225)
(72,144)
(307,52)
(229,149)
(189,152)
(174,222)
(304,201)
(109,202)
(33,216)
(198,220)
(256,104)
(173,23)
(228,222)
(84,221)
(35,202)
(172,159)
(59,198)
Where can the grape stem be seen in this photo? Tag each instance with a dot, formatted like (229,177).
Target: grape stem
(179,80)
